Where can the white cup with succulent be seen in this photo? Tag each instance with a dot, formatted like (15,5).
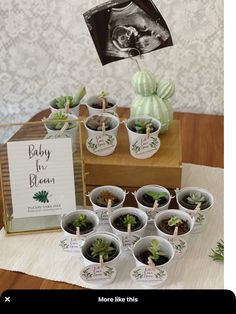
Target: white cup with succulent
(60,124)
(101,103)
(129,224)
(105,199)
(153,256)
(102,131)
(79,223)
(196,202)
(175,226)
(101,253)
(152,199)
(143,133)
(72,102)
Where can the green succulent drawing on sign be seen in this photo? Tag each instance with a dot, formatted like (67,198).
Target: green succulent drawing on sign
(41,197)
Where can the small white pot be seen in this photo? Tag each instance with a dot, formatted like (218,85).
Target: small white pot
(72,133)
(148,210)
(129,239)
(107,236)
(170,213)
(142,244)
(102,211)
(91,216)
(202,217)
(142,147)
(99,143)
(95,99)
(73,110)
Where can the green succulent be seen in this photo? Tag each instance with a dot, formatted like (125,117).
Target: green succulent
(174,221)
(155,250)
(103,94)
(58,125)
(101,247)
(195,198)
(81,221)
(156,196)
(129,220)
(140,126)
(63,100)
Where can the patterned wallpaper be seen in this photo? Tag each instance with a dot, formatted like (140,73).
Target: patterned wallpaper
(46,51)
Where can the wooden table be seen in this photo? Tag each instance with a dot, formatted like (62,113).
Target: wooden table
(202,143)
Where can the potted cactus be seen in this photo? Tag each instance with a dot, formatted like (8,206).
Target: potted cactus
(196,202)
(80,222)
(73,102)
(101,103)
(153,98)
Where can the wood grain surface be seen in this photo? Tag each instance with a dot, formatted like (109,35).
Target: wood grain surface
(202,143)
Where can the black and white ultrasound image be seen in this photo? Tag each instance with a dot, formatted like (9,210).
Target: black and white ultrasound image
(122,29)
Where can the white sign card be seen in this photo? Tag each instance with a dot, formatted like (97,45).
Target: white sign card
(41,177)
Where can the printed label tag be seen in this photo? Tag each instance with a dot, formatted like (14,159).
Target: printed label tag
(101,145)
(147,274)
(96,274)
(70,245)
(142,148)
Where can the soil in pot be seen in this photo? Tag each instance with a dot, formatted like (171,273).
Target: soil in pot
(185,203)
(144,255)
(100,106)
(183,227)
(119,223)
(140,126)
(111,255)
(148,199)
(104,197)
(96,123)
(83,229)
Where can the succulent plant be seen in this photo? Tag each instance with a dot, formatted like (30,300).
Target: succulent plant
(96,123)
(140,126)
(80,221)
(195,198)
(72,101)
(156,196)
(129,220)
(63,100)
(155,250)
(102,247)
(174,221)
(104,197)
(58,125)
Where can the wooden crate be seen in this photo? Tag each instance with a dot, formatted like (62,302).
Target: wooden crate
(121,169)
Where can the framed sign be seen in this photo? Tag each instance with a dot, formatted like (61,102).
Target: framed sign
(41,178)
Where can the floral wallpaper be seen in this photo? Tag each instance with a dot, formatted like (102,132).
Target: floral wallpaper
(46,51)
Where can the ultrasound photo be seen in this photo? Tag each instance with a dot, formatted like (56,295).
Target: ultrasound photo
(122,29)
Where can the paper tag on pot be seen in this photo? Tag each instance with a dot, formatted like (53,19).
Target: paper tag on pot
(143,148)
(101,145)
(180,245)
(146,275)
(70,245)
(95,274)
(130,240)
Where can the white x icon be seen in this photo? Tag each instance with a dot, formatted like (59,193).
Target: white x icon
(7,299)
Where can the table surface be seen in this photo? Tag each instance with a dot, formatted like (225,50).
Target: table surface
(202,144)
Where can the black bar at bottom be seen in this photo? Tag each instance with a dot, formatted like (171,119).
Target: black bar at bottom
(165,298)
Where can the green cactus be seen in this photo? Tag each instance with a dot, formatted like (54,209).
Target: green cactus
(153,98)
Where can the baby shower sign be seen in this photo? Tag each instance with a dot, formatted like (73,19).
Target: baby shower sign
(41,177)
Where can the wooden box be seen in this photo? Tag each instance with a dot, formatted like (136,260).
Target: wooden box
(121,169)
